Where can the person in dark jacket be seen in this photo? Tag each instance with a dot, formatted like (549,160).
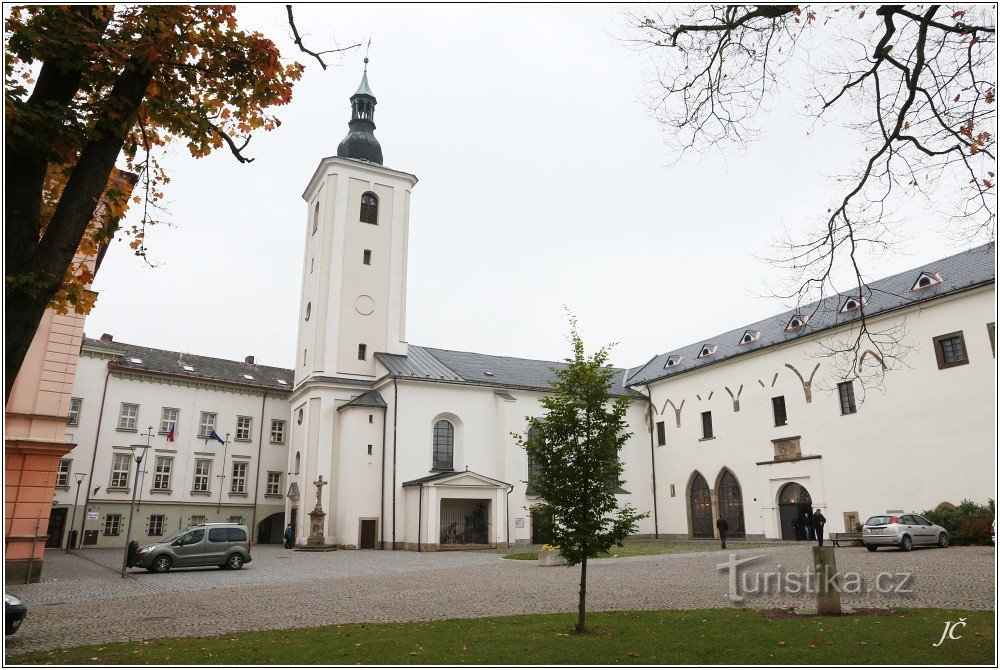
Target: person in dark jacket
(723,527)
(289,536)
(807,523)
(818,522)
(798,527)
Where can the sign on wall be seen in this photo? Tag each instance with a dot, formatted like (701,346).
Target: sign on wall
(519,522)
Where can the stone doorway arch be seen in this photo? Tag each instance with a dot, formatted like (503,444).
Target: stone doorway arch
(730,502)
(793,501)
(700,507)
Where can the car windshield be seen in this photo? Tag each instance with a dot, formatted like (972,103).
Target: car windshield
(879,521)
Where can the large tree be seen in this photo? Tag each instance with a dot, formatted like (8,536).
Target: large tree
(575,466)
(88,87)
(915,84)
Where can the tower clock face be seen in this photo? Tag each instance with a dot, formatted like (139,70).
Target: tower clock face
(364,305)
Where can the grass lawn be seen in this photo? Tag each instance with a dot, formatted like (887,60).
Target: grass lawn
(654,547)
(722,636)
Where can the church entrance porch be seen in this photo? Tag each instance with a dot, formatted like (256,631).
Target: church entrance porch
(793,501)
(465,522)
(455,510)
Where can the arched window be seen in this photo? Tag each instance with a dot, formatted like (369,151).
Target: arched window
(369,208)
(298,461)
(315,218)
(444,445)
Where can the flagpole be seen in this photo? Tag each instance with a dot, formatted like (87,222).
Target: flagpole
(148,435)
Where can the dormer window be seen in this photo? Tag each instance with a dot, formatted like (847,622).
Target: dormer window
(796,322)
(926,280)
(707,350)
(189,368)
(137,361)
(673,360)
(750,336)
(852,304)
(369,208)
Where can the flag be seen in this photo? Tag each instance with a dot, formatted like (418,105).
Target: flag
(172,435)
(215,436)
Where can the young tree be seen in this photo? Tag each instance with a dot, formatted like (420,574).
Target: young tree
(574,452)
(88,85)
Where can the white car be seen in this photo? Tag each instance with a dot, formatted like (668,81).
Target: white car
(904,531)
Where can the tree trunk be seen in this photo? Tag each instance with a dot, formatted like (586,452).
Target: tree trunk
(581,622)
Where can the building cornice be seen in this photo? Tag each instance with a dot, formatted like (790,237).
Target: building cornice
(324,163)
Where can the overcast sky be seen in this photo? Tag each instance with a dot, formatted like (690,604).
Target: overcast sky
(543,183)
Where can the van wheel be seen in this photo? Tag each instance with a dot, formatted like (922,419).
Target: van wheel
(235,562)
(943,540)
(162,564)
(871,547)
(906,543)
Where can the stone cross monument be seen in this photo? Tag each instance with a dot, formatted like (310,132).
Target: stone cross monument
(316,517)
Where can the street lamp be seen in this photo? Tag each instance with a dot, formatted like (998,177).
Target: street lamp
(138,451)
(80,476)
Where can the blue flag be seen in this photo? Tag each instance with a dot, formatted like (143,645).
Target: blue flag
(215,436)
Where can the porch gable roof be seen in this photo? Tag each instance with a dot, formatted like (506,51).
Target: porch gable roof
(445,477)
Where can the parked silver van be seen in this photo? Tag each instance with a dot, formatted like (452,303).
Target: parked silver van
(223,544)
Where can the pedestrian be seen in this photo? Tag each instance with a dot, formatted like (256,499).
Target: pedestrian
(289,536)
(723,527)
(797,527)
(807,521)
(818,522)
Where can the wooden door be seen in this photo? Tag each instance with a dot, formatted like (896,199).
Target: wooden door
(369,528)
(57,522)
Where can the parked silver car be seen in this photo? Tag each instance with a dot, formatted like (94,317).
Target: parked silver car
(223,544)
(904,531)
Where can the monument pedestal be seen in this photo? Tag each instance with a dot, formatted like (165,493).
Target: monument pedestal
(316,540)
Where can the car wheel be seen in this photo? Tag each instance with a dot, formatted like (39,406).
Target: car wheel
(943,540)
(906,543)
(235,562)
(871,547)
(162,564)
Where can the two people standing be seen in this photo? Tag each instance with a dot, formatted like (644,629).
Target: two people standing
(809,526)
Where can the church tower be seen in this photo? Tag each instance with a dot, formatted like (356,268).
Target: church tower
(353,305)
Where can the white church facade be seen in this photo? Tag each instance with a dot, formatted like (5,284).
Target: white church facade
(416,443)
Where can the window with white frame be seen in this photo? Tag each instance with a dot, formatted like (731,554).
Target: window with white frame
(244,424)
(161,474)
(155,527)
(207,424)
(197,519)
(277,431)
(202,474)
(168,419)
(273,484)
(62,473)
(121,464)
(129,416)
(238,484)
(74,411)
(236,519)
(112,524)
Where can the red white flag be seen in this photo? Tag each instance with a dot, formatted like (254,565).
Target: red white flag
(172,435)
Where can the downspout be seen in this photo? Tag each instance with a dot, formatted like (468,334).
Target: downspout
(395,421)
(93,458)
(507,520)
(381,513)
(256,488)
(420,518)
(652,459)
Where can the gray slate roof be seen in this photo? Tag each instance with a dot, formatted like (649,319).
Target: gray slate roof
(962,271)
(366,399)
(219,370)
(461,367)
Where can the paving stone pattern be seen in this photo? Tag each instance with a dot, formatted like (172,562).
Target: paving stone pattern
(84,601)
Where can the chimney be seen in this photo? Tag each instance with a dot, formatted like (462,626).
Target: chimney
(106,337)
(249,360)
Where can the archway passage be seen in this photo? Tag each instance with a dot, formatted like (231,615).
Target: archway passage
(271,529)
(701,508)
(731,504)
(793,501)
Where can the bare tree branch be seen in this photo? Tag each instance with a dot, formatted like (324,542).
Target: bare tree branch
(318,55)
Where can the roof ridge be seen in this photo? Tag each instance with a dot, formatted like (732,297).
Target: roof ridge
(119,344)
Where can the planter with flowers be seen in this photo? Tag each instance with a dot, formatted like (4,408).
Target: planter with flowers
(549,556)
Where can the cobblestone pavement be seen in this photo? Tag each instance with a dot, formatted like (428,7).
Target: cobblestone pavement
(84,601)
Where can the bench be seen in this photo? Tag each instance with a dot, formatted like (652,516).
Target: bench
(850,538)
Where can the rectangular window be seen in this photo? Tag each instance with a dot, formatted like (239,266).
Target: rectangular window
(235,519)
(369,450)
(277,431)
(706,425)
(273,483)
(112,524)
(778,405)
(202,473)
(950,350)
(847,404)
(161,474)
(129,416)
(74,411)
(238,484)
(661,433)
(366,257)
(362,352)
(244,425)
(155,528)
(62,474)
(120,467)
(197,519)
(207,424)
(168,419)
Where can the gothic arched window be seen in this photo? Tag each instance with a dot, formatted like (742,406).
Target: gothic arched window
(444,445)
(315,218)
(369,208)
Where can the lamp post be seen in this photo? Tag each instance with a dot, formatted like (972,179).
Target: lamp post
(80,476)
(138,451)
